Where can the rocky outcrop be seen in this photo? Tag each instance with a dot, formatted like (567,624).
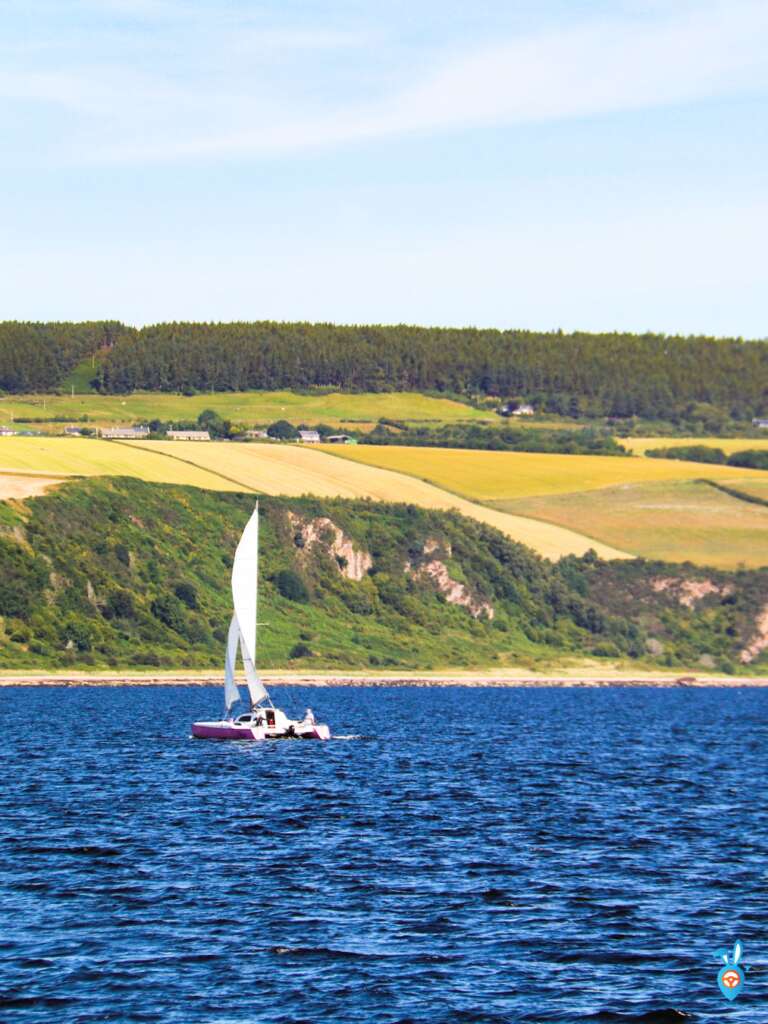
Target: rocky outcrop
(352,562)
(688,592)
(436,571)
(759,641)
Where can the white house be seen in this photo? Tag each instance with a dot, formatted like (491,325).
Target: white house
(124,433)
(7,432)
(761,423)
(188,435)
(523,410)
(309,436)
(255,435)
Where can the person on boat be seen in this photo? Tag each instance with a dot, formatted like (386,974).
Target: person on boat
(309,716)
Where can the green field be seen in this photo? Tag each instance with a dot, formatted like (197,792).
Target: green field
(246,407)
(678,521)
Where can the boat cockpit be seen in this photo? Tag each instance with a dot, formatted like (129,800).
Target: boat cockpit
(259,716)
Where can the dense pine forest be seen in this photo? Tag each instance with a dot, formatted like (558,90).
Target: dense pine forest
(37,357)
(616,374)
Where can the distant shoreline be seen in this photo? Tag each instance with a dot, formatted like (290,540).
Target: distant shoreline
(415,679)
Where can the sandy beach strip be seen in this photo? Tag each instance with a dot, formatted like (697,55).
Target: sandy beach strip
(477,680)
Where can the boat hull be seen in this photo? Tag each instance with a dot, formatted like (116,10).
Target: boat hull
(229,730)
(317,732)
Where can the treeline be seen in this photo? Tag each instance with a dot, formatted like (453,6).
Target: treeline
(614,374)
(752,458)
(38,356)
(583,441)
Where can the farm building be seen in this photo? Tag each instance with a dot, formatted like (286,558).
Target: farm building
(761,423)
(73,431)
(309,436)
(255,435)
(340,439)
(188,435)
(7,432)
(124,433)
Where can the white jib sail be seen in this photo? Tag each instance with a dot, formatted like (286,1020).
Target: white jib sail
(245,585)
(256,688)
(231,692)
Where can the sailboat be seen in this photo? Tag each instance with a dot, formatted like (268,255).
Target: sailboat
(263,721)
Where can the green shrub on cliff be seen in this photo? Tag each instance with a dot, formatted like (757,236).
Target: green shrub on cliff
(121,573)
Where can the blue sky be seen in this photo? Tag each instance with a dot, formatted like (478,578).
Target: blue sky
(580,164)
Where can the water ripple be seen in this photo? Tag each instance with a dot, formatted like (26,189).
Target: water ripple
(480,856)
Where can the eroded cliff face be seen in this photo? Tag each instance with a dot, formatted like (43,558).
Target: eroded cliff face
(352,562)
(691,592)
(759,640)
(436,571)
(688,592)
(355,563)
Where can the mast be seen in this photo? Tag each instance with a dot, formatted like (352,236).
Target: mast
(245,586)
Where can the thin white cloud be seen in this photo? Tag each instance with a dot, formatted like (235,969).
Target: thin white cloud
(590,70)
(253,106)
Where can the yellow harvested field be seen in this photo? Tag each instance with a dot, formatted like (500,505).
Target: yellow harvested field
(295,470)
(270,469)
(21,486)
(684,520)
(82,456)
(757,488)
(493,476)
(640,445)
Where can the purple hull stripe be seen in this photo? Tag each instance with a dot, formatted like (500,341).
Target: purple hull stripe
(225,731)
(230,731)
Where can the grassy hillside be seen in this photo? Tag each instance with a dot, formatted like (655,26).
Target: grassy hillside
(495,476)
(118,572)
(682,520)
(270,469)
(247,407)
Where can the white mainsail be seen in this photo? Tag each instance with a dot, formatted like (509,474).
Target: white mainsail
(245,584)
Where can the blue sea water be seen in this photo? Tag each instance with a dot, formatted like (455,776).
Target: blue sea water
(475,855)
